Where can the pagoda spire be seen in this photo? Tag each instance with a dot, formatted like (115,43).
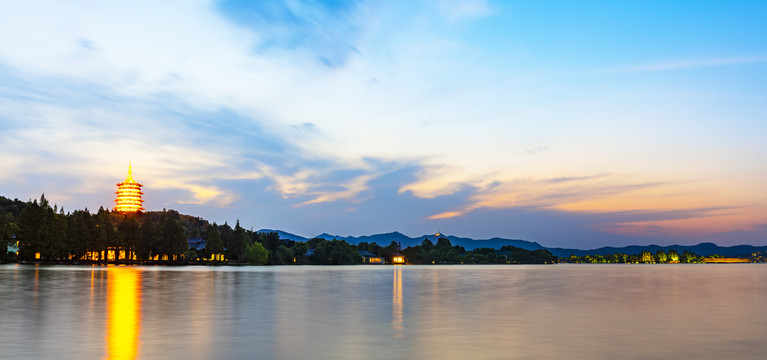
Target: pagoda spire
(129,178)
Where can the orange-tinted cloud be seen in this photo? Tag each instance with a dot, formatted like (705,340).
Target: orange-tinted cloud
(627,206)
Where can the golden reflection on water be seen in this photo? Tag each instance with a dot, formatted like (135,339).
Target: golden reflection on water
(396,302)
(124,312)
(93,286)
(37,282)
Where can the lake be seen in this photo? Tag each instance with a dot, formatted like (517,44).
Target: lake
(566,311)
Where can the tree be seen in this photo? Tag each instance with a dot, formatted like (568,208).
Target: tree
(415,254)
(226,235)
(104,222)
(41,232)
(7,231)
(661,256)
(57,235)
(239,241)
(299,252)
(213,243)
(335,252)
(102,233)
(689,257)
(77,234)
(13,207)
(646,257)
(283,255)
(673,256)
(28,236)
(443,244)
(172,239)
(149,244)
(190,255)
(314,242)
(542,256)
(432,256)
(179,241)
(6,235)
(130,233)
(254,254)
(454,255)
(271,240)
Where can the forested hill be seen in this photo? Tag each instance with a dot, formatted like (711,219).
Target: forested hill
(11,207)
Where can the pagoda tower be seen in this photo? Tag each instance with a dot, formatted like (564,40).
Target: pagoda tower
(128,194)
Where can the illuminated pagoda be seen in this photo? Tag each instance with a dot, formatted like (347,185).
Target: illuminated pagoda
(128,194)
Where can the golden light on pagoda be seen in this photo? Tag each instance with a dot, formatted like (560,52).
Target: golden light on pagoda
(129,194)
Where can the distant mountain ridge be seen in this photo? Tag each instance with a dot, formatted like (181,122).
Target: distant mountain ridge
(703,249)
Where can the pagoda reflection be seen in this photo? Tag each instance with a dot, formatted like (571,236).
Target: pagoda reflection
(124,312)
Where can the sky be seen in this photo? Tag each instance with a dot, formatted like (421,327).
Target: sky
(570,123)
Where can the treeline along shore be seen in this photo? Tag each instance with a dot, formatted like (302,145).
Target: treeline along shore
(35,231)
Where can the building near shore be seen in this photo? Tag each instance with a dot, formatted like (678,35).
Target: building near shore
(370,258)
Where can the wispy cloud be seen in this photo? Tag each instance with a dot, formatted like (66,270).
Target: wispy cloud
(688,64)
(201,194)
(449,214)
(537,150)
(635,216)
(327,31)
(349,191)
(552,193)
(456,10)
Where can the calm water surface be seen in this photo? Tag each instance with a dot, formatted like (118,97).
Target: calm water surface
(384,312)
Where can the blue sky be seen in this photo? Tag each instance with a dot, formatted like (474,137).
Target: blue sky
(576,124)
